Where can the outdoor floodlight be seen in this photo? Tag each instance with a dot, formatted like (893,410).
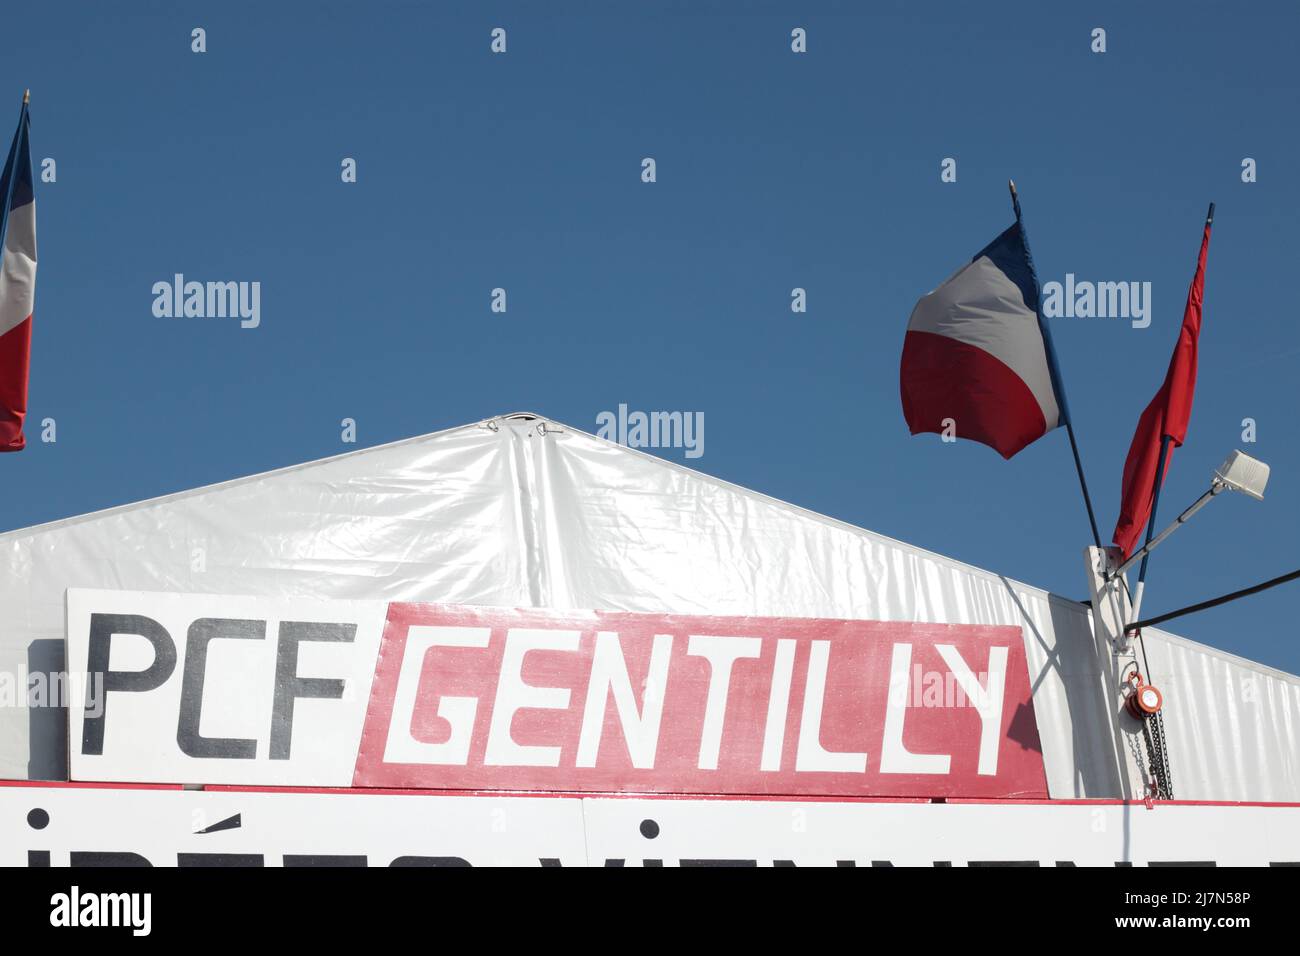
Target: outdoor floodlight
(1240,472)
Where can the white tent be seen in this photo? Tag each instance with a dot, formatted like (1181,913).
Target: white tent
(522,512)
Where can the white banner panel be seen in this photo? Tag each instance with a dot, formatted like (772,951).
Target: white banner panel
(62,826)
(99,826)
(193,688)
(755,833)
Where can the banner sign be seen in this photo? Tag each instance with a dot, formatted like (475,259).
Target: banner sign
(203,688)
(212,689)
(109,826)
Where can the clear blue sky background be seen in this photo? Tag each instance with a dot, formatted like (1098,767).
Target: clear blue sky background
(775,170)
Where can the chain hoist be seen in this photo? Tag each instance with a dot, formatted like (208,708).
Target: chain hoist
(1144,702)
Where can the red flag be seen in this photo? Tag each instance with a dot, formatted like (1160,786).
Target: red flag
(1168,414)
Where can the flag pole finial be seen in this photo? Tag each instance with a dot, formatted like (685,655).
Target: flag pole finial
(27,97)
(1209,216)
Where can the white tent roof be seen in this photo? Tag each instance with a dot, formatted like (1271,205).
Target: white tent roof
(519,512)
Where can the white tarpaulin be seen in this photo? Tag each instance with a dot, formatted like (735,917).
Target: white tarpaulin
(510,514)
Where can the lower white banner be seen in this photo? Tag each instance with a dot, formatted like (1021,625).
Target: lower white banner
(116,826)
(825,833)
(62,826)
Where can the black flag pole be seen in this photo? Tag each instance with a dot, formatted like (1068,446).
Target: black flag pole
(1151,524)
(1054,368)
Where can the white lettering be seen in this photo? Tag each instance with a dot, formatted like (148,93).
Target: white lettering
(402,747)
(609,675)
(721,653)
(513,694)
(811,755)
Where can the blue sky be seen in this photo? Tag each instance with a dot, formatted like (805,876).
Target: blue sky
(775,171)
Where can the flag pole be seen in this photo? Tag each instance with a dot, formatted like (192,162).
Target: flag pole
(1151,524)
(1155,493)
(1054,368)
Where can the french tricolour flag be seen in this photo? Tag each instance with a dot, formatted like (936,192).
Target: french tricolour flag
(17,287)
(976,360)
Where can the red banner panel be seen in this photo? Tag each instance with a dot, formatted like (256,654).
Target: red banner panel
(490,699)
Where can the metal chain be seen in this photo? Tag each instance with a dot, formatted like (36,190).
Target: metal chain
(1137,759)
(1167,783)
(1153,753)
(1153,731)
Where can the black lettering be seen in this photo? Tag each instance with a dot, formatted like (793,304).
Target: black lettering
(1003,863)
(201,632)
(102,629)
(429,861)
(219,859)
(312,859)
(717,862)
(289,686)
(102,858)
